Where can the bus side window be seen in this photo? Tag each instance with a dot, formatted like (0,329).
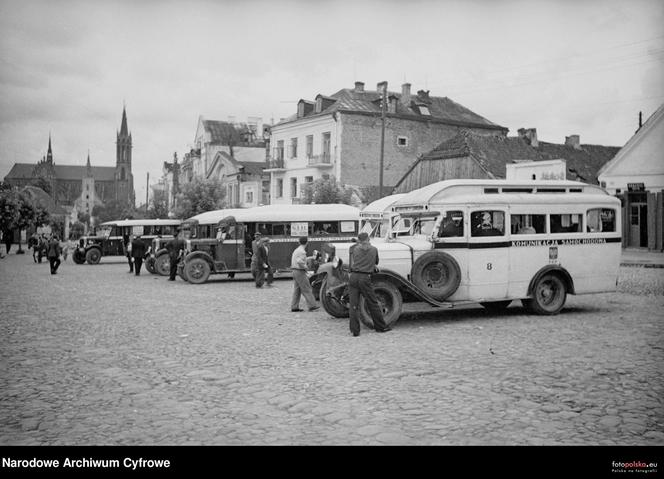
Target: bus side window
(528,224)
(452,225)
(487,223)
(601,219)
(565,223)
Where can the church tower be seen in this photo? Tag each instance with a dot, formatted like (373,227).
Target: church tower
(124,180)
(88,189)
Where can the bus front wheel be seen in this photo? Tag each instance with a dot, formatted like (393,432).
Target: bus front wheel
(548,295)
(162,264)
(197,270)
(333,302)
(389,301)
(93,256)
(149,265)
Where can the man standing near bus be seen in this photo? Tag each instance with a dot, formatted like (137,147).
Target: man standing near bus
(363,261)
(301,286)
(175,247)
(137,251)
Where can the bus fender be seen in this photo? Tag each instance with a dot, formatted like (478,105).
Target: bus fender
(160,252)
(550,268)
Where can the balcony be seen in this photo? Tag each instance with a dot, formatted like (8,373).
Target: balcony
(322,160)
(275,164)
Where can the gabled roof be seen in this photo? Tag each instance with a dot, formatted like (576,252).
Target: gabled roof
(249,167)
(64,172)
(441,109)
(641,133)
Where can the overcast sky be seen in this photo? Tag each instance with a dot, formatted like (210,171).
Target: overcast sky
(565,67)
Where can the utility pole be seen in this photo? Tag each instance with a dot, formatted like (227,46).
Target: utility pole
(147,190)
(383,107)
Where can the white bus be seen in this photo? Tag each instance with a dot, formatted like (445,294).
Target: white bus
(494,241)
(229,251)
(375,218)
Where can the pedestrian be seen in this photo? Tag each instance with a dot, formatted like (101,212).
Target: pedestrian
(263,270)
(301,286)
(126,241)
(254,254)
(53,252)
(66,248)
(363,261)
(137,252)
(175,248)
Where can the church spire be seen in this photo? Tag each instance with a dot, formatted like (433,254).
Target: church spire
(49,154)
(88,167)
(123,127)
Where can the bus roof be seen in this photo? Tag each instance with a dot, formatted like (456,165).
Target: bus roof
(213,217)
(276,213)
(448,189)
(146,222)
(381,205)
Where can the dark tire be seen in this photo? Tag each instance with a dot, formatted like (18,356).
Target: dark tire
(162,265)
(389,300)
(495,306)
(149,265)
(334,307)
(93,256)
(548,295)
(197,270)
(78,257)
(437,274)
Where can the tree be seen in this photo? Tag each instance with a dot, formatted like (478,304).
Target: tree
(199,196)
(324,191)
(77,230)
(113,210)
(158,205)
(43,183)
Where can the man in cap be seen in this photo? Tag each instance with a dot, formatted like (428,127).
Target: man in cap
(137,252)
(363,261)
(175,248)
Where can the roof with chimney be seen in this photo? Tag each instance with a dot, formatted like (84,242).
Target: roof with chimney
(220,131)
(63,172)
(420,107)
(492,153)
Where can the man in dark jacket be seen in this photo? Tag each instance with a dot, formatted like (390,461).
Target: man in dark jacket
(363,260)
(263,268)
(53,252)
(175,247)
(137,252)
(126,243)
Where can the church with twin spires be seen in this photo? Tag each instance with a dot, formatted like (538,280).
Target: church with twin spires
(81,186)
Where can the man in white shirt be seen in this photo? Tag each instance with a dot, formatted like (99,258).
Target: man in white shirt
(301,286)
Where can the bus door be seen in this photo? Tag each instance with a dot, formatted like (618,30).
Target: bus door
(488,253)
(229,250)
(114,244)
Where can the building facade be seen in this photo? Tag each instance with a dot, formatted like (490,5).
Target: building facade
(341,136)
(636,175)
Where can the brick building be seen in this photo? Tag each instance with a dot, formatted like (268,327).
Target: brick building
(340,136)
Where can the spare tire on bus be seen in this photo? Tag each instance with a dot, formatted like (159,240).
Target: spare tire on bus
(93,256)
(389,301)
(334,303)
(437,274)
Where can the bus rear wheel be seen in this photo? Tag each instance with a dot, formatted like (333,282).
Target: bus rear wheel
(197,270)
(162,264)
(335,304)
(93,256)
(389,301)
(549,294)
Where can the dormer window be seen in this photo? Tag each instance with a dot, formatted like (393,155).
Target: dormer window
(424,110)
(319,105)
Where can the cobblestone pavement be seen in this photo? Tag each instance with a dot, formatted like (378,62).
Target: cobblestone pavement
(95,356)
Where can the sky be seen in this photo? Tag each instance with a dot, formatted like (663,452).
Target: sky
(68,67)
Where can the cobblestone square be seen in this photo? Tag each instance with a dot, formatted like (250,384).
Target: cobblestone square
(96,356)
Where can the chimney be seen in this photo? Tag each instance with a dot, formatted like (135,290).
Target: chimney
(359,86)
(529,135)
(574,141)
(405,95)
